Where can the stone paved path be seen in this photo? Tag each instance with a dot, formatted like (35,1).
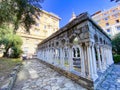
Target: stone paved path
(112,81)
(36,76)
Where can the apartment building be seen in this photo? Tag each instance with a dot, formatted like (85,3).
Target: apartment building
(46,24)
(109,20)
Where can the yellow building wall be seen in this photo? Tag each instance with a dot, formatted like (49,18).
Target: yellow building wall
(46,24)
(108,16)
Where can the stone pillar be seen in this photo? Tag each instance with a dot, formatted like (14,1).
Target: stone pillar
(82,61)
(62,57)
(53,55)
(111,56)
(107,57)
(103,59)
(86,60)
(70,59)
(90,63)
(99,58)
(94,62)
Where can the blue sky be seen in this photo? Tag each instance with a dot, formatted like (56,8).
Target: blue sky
(64,8)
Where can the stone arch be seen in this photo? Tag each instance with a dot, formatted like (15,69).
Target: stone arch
(63,41)
(66,56)
(76,50)
(101,41)
(76,57)
(96,38)
(104,42)
(74,39)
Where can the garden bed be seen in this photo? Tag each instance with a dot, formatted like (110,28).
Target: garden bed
(6,67)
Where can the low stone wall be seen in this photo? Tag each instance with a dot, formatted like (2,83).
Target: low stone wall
(8,84)
(78,79)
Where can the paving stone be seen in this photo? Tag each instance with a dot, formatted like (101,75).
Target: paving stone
(118,89)
(47,87)
(55,87)
(112,80)
(112,89)
(69,85)
(47,79)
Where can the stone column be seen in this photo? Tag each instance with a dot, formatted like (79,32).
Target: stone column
(90,63)
(49,55)
(94,62)
(111,56)
(86,60)
(99,58)
(82,61)
(103,59)
(46,55)
(107,57)
(53,56)
(70,59)
(62,58)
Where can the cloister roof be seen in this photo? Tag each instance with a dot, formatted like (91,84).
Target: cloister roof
(79,19)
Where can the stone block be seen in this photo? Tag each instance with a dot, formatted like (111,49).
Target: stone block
(8,84)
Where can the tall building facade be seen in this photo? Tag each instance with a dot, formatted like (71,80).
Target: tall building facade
(109,20)
(46,24)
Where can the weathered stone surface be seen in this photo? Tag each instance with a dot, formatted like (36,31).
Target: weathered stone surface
(47,79)
(112,80)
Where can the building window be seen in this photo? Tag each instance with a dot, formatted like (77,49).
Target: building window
(38,17)
(114,10)
(106,18)
(118,27)
(116,15)
(108,30)
(44,26)
(107,24)
(117,21)
(37,24)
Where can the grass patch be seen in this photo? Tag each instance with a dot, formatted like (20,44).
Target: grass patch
(116,58)
(7,64)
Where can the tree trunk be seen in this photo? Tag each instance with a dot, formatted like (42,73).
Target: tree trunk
(6,53)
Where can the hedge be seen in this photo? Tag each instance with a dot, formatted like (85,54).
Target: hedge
(116,58)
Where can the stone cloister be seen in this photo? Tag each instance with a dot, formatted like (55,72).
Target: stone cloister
(81,48)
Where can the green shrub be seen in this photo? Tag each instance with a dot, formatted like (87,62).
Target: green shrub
(16,52)
(116,58)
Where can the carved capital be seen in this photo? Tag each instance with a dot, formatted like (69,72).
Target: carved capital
(89,44)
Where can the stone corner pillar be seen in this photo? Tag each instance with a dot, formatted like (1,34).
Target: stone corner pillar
(91,61)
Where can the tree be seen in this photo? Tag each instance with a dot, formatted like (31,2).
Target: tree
(19,11)
(116,44)
(10,41)
(13,43)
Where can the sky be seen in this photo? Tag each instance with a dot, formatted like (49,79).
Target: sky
(64,8)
